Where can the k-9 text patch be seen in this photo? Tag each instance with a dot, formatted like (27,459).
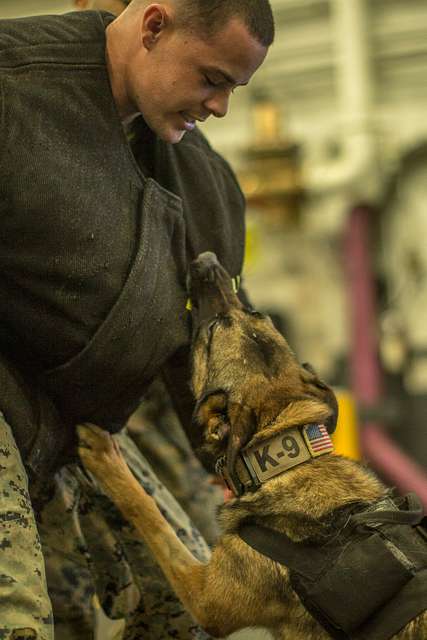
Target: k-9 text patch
(274,456)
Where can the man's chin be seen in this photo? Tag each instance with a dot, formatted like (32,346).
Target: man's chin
(171,136)
(176,137)
(168,131)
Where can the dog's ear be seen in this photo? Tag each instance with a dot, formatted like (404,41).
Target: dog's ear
(224,427)
(310,377)
(242,427)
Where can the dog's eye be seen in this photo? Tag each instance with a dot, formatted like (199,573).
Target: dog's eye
(225,321)
(211,326)
(256,314)
(219,320)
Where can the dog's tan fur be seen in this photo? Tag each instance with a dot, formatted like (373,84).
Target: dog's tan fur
(251,387)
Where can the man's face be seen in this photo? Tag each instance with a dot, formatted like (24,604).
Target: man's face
(184,78)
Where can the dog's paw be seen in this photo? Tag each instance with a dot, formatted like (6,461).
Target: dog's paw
(99,452)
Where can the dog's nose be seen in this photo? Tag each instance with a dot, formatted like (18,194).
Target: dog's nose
(204,266)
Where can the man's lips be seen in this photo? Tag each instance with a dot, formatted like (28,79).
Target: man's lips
(189,125)
(190,120)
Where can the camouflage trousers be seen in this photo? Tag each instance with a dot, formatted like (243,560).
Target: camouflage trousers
(25,610)
(158,434)
(90,549)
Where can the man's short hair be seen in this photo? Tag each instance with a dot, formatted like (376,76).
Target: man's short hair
(209,16)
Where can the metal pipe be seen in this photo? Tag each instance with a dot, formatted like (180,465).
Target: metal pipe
(399,470)
(355,169)
(365,371)
(354,64)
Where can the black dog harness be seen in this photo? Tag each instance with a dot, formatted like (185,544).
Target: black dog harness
(368,577)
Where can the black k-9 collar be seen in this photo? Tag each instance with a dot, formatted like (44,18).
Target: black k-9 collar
(259,463)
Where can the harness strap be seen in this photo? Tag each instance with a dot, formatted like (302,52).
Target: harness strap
(306,559)
(411,514)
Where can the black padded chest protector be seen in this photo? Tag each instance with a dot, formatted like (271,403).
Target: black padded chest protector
(368,579)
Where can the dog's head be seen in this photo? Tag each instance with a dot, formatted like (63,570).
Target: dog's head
(246,380)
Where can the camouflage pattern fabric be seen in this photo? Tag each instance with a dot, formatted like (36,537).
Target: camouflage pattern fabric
(158,434)
(25,610)
(89,548)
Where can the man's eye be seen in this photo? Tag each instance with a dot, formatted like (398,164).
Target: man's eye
(210,82)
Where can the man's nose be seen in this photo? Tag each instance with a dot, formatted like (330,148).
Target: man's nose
(218,103)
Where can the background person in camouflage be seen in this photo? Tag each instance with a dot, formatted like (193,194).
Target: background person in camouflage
(158,434)
(89,549)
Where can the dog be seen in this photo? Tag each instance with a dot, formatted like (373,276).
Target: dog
(312,542)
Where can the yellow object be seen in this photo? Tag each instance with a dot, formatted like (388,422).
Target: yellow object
(236,283)
(346,437)
(252,246)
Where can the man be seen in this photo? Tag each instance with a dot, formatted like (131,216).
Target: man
(156,430)
(96,237)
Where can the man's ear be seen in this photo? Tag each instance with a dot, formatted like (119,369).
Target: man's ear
(154,22)
(325,393)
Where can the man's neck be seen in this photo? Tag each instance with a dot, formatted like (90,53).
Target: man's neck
(116,53)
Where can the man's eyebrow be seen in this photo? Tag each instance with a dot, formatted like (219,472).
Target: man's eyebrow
(226,76)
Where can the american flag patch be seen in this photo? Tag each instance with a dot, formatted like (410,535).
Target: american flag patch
(317,439)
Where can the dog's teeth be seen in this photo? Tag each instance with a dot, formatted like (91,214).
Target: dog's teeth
(219,465)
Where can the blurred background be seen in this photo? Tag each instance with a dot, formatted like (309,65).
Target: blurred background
(330,146)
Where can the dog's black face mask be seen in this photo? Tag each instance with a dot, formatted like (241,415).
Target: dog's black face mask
(244,372)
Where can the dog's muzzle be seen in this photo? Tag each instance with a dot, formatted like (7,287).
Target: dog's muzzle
(213,291)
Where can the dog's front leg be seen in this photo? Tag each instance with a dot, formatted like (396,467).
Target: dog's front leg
(101,456)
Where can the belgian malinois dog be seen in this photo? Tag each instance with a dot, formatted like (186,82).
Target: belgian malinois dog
(312,542)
